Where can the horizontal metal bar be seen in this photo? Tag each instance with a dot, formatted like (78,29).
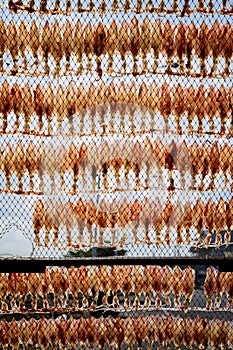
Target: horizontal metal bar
(39,265)
(105,312)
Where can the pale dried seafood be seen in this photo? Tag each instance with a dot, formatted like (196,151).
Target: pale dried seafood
(48,110)
(60,287)
(114,332)
(175,42)
(171,223)
(178,166)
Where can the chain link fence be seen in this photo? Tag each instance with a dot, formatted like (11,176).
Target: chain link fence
(117,307)
(116,174)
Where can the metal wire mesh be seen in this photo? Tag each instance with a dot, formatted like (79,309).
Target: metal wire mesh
(116,123)
(116,141)
(117,306)
(147,332)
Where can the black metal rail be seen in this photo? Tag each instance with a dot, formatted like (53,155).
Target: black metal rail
(39,265)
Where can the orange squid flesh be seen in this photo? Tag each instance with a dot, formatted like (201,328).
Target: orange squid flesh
(19,161)
(27,106)
(112,44)
(156,44)
(229,221)
(68,43)
(198,220)
(45,45)
(156,283)
(39,105)
(219,221)
(227,47)
(56,46)
(124,42)
(180,44)
(34,42)
(211,106)
(146,39)
(210,286)
(203,48)
(177,282)
(6,104)
(49,106)
(38,220)
(220,287)
(16,97)
(223,107)
(188,285)
(13,44)
(3,42)
(167,280)
(209,214)
(168,44)
(78,45)
(8,165)
(225,158)
(142,99)
(99,45)
(215,38)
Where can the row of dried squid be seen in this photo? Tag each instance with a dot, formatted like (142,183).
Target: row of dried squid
(103,106)
(165,331)
(121,164)
(169,223)
(125,6)
(216,283)
(167,286)
(181,41)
